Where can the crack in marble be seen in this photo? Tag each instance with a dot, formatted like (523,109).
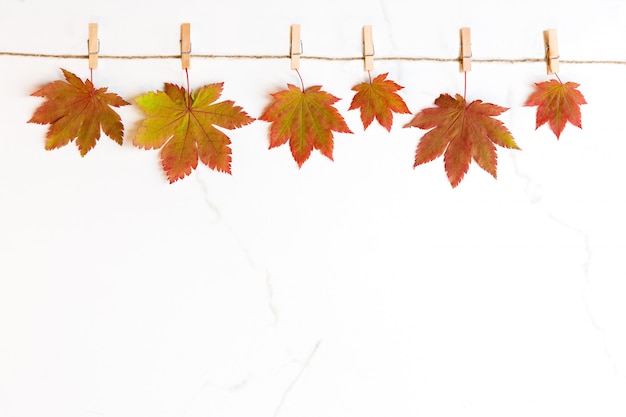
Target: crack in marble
(586,268)
(246,252)
(304,367)
(207,199)
(219,218)
(392,40)
(209,384)
(270,298)
(383,9)
(533,190)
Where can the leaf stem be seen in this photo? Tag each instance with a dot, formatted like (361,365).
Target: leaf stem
(465,87)
(558,78)
(369,73)
(188,88)
(301,82)
(91,75)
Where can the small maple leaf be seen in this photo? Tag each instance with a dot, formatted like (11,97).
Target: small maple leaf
(306,119)
(558,104)
(182,125)
(77,110)
(463,131)
(378,99)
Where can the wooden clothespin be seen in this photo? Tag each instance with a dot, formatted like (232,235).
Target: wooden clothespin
(552,50)
(295,47)
(185,44)
(93,45)
(465,57)
(368,48)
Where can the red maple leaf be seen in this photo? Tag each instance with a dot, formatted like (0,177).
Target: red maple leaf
(461,132)
(182,125)
(305,118)
(378,99)
(558,103)
(77,110)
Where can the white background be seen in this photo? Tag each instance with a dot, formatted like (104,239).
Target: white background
(359,287)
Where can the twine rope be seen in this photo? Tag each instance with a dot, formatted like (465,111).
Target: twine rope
(318,58)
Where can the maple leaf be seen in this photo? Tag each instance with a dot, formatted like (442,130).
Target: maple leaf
(558,104)
(182,125)
(378,99)
(306,119)
(77,110)
(461,131)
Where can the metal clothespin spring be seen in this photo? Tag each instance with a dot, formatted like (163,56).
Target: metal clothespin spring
(466,56)
(548,53)
(185,52)
(96,52)
(301,49)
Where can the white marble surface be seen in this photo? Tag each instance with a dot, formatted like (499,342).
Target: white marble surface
(359,287)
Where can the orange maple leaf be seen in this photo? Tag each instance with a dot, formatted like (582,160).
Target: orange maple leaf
(463,131)
(182,125)
(306,119)
(378,99)
(558,104)
(77,110)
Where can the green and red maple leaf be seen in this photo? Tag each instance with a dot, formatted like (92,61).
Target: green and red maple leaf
(378,99)
(306,119)
(76,110)
(185,125)
(557,103)
(182,124)
(461,132)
